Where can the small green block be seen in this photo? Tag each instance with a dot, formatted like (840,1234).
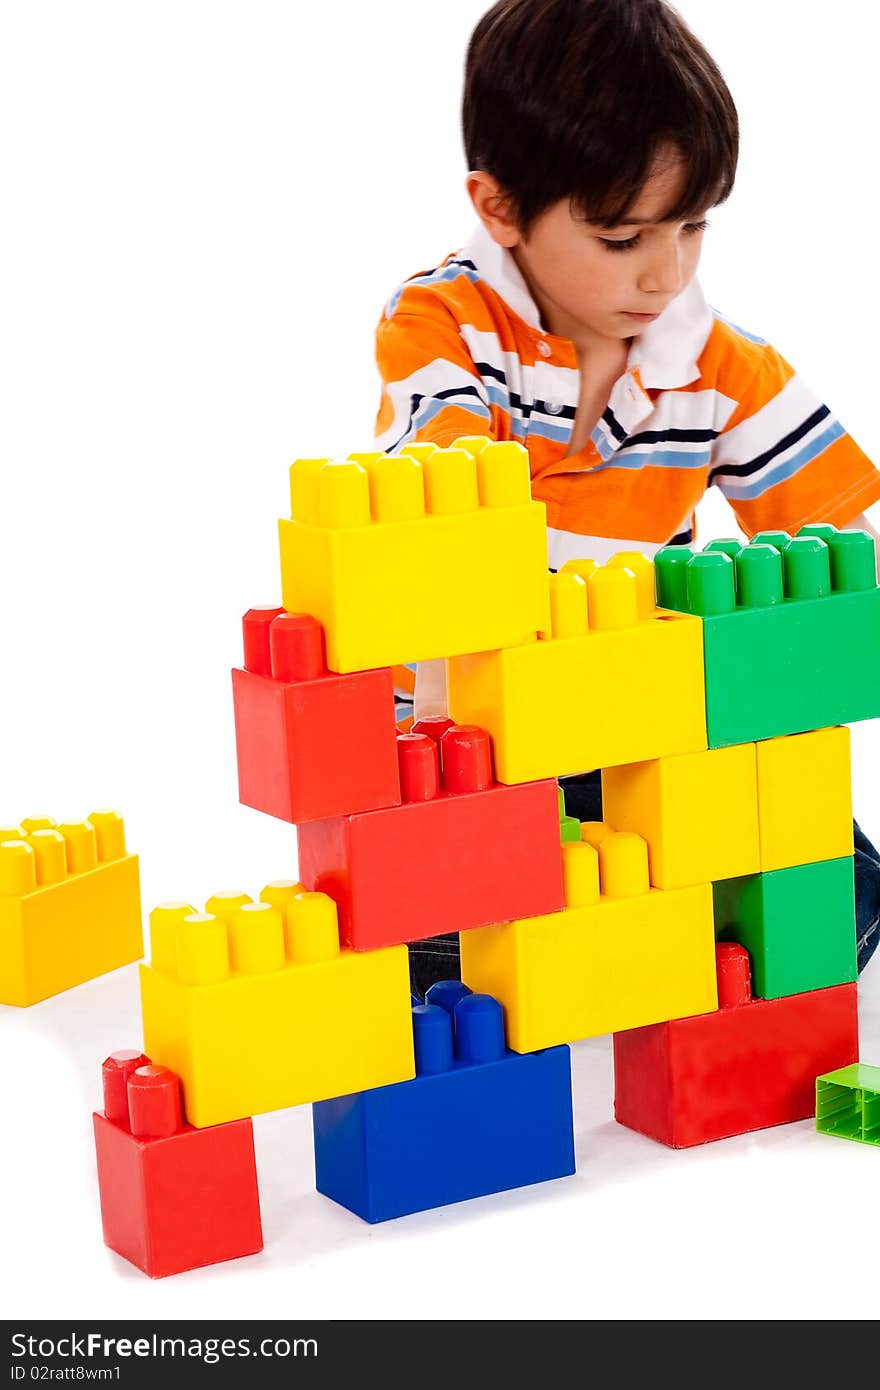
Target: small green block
(798,925)
(570,829)
(791,630)
(848,1103)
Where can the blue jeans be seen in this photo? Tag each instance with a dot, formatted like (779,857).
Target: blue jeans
(437,958)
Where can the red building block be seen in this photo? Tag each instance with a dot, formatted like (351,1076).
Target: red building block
(172,1197)
(460,852)
(310,743)
(750,1065)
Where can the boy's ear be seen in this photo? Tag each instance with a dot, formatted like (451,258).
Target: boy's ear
(494,208)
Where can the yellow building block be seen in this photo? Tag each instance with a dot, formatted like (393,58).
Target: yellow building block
(70,905)
(805,798)
(614,681)
(256,1008)
(423,554)
(697,811)
(615,959)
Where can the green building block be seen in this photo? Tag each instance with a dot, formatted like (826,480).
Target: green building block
(798,925)
(569,826)
(791,629)
(848,1103)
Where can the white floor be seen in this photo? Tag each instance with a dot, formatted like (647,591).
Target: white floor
(779,1224)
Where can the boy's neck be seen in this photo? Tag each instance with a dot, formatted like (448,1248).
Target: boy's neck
(603,355)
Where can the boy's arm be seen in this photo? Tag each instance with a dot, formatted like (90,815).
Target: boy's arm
(432,391)
(782,459)
(430,694)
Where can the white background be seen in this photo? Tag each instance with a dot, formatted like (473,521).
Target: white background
(205,207)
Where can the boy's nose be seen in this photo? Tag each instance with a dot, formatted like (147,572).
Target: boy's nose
(663,274)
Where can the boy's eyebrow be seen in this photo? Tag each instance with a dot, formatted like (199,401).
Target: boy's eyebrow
(648,221)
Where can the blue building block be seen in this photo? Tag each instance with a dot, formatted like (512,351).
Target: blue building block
(476,1119)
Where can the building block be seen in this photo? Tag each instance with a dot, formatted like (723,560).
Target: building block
(613,680)
(476,1119)
(798,925)
(569,826)
(172,1197)
(848,1103)
(697,811)
(70,905)
(612,959)
(749,1065)
(256,1008)
(791,629)
(805,798)
(310,743)
(459,853)
(413,556)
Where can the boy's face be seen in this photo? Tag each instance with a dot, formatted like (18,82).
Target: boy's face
(601,286)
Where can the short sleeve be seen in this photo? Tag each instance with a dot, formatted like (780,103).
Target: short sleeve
(432,392)
(783,459)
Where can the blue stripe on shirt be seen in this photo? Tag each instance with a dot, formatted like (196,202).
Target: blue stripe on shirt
(664,458)
(442,275)
(744,492)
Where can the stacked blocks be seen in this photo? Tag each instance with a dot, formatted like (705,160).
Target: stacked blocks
(448,857)
(709,688)
(750,1064)
(798,924)
(785,622)
(476,1119)
(805,798)
(620,954)
(848,1103)
(69,905)
(612,680)
(255,1006)
(172,1197)
(310,744)
(424,554)
(740,810)
(698,812)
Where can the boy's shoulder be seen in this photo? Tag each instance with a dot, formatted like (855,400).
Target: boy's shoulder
(426,289)
(738,360)
(479,284)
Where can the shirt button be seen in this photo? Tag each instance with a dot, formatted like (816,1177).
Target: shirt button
(544,348)
(554,407)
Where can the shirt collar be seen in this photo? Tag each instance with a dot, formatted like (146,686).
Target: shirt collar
(666,353)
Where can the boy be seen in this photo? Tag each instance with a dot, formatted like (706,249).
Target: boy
(598,134)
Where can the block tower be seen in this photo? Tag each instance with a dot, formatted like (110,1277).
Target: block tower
(707,922)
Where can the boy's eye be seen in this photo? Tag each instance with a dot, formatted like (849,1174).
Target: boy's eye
(620,245)
(689,229)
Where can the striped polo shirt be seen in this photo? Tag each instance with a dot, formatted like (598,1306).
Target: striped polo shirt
(461,350)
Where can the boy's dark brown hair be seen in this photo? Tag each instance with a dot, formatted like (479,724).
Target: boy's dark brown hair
(574,98)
